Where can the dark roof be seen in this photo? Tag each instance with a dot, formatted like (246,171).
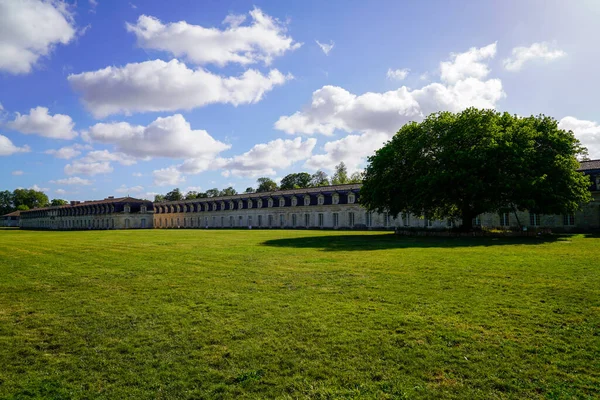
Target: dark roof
(589,165)
(13,214)
(94,202)
(277,193)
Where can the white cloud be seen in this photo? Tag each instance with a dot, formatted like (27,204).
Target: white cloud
(265,158)
(537,51)
(133,189)
(374,117)
(588,133)
(326,47)
(39,189)
(170,137)
(60,192)
(17,173)
(39,122)
(467,64)
(167,176)
(82,168)
(137,174)
(398,74)
(192,189)
(261,41)
(105,155)
(74,180)
(7,147)
(93,5)
(68,152)
(167,86)
(29,29)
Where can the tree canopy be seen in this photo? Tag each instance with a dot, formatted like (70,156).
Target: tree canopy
(174,195)
(58,202)
(319,178)
(295,181)
(460,165)
(266,185)
(22,199)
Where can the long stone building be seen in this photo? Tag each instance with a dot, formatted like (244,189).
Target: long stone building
(327,207)
(110,213)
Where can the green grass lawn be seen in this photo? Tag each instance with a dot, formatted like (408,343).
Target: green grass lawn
(297,314)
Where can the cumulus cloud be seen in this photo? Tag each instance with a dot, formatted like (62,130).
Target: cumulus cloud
(60,192)
(260,41)
(132,189)
(68,152)
(170,137)
(105,155)
(30,29)
(75,180)
(468,64)
(537,51)
(373,118)
(79,167)
(398,74)
(39,189)
(7,147)
(167,176)
(40,122)
(588,133)
(167,86)
(326,47)
(265,158)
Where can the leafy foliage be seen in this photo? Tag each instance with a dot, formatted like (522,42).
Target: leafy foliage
(230,191)
(296,181)
(461,165)
(340,176)
(174,195)
(58,202)
(266,185)
(319,178)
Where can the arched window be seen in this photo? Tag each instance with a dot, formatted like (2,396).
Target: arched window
(321,200)
(294,201)
(281,202)
(307,200)
(335,199)
(351,198)
(249,202)
(270,203)
(259,203)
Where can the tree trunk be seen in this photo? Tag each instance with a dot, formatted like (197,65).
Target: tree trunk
(467,220)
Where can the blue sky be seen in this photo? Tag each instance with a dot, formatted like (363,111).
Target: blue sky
(104,97)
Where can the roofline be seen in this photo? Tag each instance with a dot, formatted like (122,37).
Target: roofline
(276,193)
(89,203)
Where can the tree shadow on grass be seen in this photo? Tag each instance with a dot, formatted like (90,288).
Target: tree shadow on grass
(391,241)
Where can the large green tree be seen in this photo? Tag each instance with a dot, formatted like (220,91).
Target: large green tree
(298,180)
(174,195)
(58,202)
(460,165)
(319,178)
(6,202)
(266,185)
(29,198)
(340,176)
(229,191)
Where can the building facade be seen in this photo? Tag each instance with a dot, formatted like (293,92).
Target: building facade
(110,213)
(11,219)
(327,207)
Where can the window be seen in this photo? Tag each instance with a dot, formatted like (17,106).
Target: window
(249,202)
(241,221)
(222,221)
(351,219)
(143,209)
(259,203)
(428,222)
(260,220)
(178,222)
(335,199)
(171,222)
(185,222)
(406,219)
(270,221)
(240,204)
(307,220)
(336,220)
(127,209)
(214,221)
(249,220)
(143,222)
(206,221)
(351,198)
(477,221)
(270,203)
(321,200)
(281,202)
(450,223)
(126,223)
(307,200)
(231,223)
(281,220)
(294,220)
(200,222)
(504,219)
(534,219)
(386,219)
(214,206)
(569,219)
(368,219)
(321,220)
(294,201)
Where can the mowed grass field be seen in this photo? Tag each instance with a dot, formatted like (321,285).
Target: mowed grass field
(178,314)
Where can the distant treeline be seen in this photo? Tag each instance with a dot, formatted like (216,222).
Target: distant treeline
(25,199)
(292,181)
